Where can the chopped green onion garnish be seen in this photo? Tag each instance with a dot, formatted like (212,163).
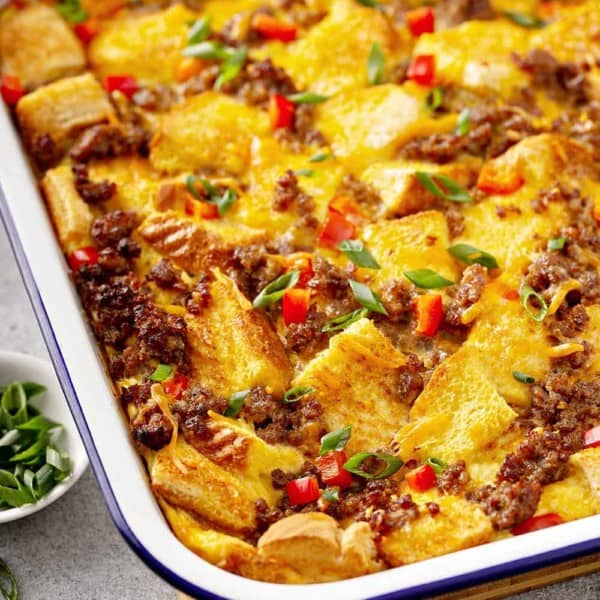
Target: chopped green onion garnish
(335,440)
(375,64)
(223,201)
(427,279)
(434,99)
(71,11)
(537,314)
(199,30)
(557,243)
(294,394)
(523,377)
(57,460)
(437,464)
(443,187)
(275,290)
(367,297)
(353,464)
(8,579)
(319,157)
(370,3)
(463,123)
(331,494)
(343,321)
(470,255)
(305,172)
(207,50)
(236,402)
(161,373)
(307,98)
(231,66)
(528,21)
(355,250)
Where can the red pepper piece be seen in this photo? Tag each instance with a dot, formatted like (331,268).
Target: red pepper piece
(422,70)
(429,311)
(303,490)
(281,111)
(493,181)
(331,466)
(421,479)
(420,20)
(12,89)
(591,438)
(87,30)
(302,262)
(82,256)
(336,229)
(175,386)
(537,522)
(126,84)
(294,305)
(271,28)
(204,210)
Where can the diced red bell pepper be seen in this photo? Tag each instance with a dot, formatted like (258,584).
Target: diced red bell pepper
(281,112)
(336,229)
(422,70)
(12,89)
(421,479)
(302,262)
(294,305)
(429,311)
(126,84)
(591,438)
(349,208)
(511,295)
(82,256)
(175,386)
(271,28)
(303,490)
(331,466)
(420,20)
(537,522)
(493,181)
(197,208)
(87,30)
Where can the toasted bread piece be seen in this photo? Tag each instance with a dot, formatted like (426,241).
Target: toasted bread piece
(589,462)
(72,217)
(63,108)
(459,525)
(37,46)
(355,381)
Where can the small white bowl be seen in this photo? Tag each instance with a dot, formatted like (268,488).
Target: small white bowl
(22,367)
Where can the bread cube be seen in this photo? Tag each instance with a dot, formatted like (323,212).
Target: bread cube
(38,46)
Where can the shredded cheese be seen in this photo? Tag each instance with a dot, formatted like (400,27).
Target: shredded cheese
(563,289)
(564,350)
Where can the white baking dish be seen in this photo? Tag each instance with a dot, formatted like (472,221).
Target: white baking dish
(122,476)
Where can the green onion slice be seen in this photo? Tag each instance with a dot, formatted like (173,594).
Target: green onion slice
(275,290)
(471,255)
(340,323)
(207,50)
(427,279)
(199,30)
(443,187)
(370,3)
(355,250)
(434,99)
(537,314)
(8,583)
(393,463)
(319,157)
(463,123)
(331,494)
(231,66)
(222,201)
(437,464)
(57,460)
(335,440)
(161,373)
(528,21)
(557,243)
(71,11)
(294,394)
(305,172)
(367,297)
(236,402)
(13,406)
(375,64)
(523,377)
(307,98)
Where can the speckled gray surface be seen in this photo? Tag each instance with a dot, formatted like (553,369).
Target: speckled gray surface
(71,550)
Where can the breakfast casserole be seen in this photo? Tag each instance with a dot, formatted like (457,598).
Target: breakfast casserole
(341,258)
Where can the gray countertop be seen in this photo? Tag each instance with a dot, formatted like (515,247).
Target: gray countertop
(72,550)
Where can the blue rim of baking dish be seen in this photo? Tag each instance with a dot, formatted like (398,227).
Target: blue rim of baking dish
(449,584)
